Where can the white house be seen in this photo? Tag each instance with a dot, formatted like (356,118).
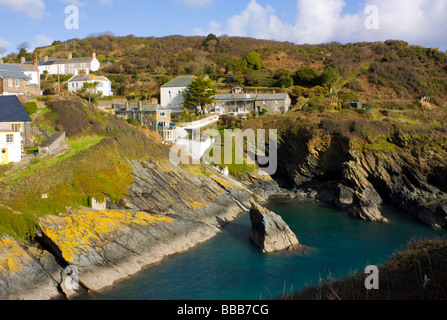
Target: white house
(13,119)
(104,85)
(171,93)
(71,65)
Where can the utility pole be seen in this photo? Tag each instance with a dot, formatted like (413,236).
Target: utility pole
(59,78)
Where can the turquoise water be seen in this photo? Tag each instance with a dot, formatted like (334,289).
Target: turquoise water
(230,267)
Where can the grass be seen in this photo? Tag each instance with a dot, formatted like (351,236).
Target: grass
(97,165)
(237,164)
(401,278)
(76,144)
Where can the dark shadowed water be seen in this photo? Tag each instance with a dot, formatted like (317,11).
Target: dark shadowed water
(230,267)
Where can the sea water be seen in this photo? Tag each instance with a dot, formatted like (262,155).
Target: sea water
(231,267)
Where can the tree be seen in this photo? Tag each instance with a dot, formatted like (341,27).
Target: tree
(88,91)
(254,61)
(329,77)
(200,93)
(306,76)
(283,77)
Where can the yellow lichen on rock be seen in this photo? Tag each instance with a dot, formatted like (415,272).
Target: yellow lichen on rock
(12,257)
(84,229)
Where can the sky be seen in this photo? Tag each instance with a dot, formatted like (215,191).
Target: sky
(40,22)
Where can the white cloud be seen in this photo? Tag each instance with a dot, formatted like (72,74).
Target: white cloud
(3,47)
(32,8)
(41,41)
(319,21)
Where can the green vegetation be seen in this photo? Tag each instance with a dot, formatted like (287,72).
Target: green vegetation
(401,278)
(31,108)
(199,95)
(375,72)
(97,165)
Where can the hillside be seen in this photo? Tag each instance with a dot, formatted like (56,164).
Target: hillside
(96,164)
(392,73)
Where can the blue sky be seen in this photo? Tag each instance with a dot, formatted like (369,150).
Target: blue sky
(40,22)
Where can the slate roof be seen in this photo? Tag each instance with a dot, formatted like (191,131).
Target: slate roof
(12,71)
(11,110)
(259,97)
(223,96)
(87,77)
(52,139)
(145,108)
(267,97)
(5,74)
(182,81)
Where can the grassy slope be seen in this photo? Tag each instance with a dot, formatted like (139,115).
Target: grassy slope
(96,166)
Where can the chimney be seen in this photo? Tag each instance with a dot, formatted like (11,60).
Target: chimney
(126,106)
(23,60)
(35,62)
(140,105)
(94,55)
(256,91)
(274,91)
(45,59)
(70,56)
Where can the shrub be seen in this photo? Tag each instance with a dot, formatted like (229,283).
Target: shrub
(31,108)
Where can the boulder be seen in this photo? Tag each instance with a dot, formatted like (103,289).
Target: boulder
(269,231)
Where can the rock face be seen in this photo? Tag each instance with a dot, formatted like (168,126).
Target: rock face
(27,273)
(329,169)
(269,231)
(167,211)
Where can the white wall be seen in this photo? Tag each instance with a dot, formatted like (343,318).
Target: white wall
(34,75)
(195,148)
(106,88)
(14,149)
(95,65)
(173,100)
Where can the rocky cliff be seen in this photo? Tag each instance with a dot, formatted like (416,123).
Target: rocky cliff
(358,176)
(167,211)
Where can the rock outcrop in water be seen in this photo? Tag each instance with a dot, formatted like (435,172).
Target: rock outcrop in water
(269,231)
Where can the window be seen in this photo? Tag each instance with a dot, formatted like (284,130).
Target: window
(16,127)
(9,138)
(17,83)
(162,114)
(27,82)
(9,82)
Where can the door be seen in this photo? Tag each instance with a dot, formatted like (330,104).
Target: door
(5,156)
